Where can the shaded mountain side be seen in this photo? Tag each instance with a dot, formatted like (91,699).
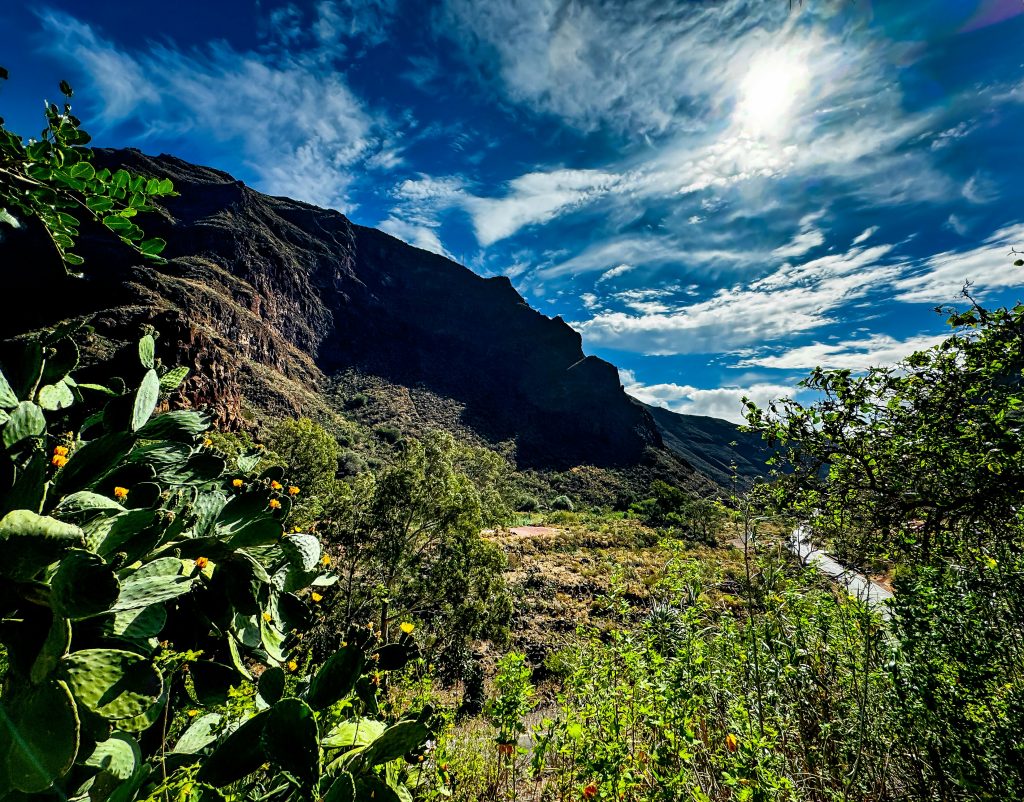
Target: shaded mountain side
(267,298)
(715,447)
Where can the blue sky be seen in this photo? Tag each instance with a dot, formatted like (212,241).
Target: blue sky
(717,195)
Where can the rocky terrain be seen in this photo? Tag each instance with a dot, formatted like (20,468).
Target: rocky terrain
(271,302)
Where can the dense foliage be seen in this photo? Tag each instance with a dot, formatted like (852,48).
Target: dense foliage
(52,180)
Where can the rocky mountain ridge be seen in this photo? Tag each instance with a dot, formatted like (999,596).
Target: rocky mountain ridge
(266,298)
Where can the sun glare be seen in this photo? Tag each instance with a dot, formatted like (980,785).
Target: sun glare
(770,92)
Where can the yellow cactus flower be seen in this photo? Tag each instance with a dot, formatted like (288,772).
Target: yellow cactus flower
(316,597)
(275,504)
(237,483)
(325,561)
(120,493)
(406,627)
(193,713)
(268,617)
(61,451)
(293,490)
(731,742)
(202,562)
(59,460)
(275,485)
(207,442)
(293,666)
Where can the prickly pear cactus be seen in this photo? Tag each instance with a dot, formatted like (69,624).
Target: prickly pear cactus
(144,580)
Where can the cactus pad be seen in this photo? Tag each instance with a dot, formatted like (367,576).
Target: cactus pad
(113,683)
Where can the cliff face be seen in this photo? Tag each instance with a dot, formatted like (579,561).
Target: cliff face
(265,298)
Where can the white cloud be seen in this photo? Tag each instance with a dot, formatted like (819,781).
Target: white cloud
(301,130)
(535,198)
(980,189)
(716,402)
(791,299)
(940,278)
(615,271)
(876,350)
(421,236)
(809,238)
(865,235)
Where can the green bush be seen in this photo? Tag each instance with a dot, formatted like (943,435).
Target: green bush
(562,503)
(389,434)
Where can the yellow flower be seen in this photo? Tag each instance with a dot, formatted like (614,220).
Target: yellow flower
(731,742)
(325,560)
(293,666)
(275,485)
(59,460)
(193,713)
(275,504)
(207,442)
(120,493)
(61,451)
(293,490)
(202,562)
(316,597)
(268,617)
(406,627)
(237,483)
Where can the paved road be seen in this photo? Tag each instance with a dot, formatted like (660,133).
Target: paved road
(856,584)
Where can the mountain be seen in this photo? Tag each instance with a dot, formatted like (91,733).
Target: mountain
(279,306)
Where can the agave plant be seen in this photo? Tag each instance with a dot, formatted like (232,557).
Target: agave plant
(140,572)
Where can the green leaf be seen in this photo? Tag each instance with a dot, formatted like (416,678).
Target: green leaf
(57,396)
(39,732)
(8,400)
(111,682)
(83,586)
(291,738)
(271,684)
(336,678)
(343,789)
(147,351)
(152,247)
(354,732)
(200,734)
(145,400)
(30,542)
(239,754)
(9,219)
(83,171)
(155,582)
(26,421)
(119,756)
(172,378)
(99,204)
(395,741)
(118,224)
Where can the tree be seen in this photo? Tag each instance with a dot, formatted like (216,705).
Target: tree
(52,180)
(921,467)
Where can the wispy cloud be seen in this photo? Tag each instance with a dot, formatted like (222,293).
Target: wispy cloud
(301,130)
(854,354)
(791,299)
(989,267)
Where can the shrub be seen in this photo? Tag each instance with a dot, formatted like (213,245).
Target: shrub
(527,504)
(358,401)
(389,434)
(562,503)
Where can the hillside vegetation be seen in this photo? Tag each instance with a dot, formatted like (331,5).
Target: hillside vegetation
(359,606)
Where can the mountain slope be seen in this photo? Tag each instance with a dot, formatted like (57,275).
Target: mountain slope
(266,299)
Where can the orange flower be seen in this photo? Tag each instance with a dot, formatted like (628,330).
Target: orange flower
(237,483)
(275,485)
(61,451)
(120,493)
(59,460)
(202,562)
(731,742)
(293,490)
(275,504)
(590,791)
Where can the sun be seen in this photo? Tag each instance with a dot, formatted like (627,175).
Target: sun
(770,93)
